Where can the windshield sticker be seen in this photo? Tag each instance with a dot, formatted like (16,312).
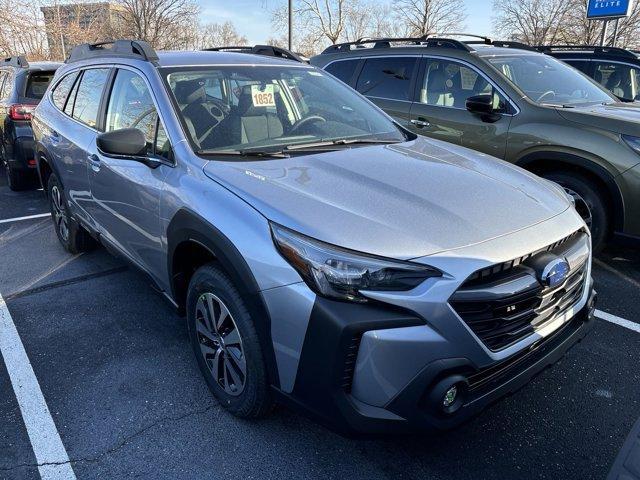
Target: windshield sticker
(263,96)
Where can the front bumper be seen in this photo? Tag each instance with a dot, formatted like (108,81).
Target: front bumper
(323,387)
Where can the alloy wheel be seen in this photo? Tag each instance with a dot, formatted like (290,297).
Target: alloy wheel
(581,207)
(220,344)
(59,213)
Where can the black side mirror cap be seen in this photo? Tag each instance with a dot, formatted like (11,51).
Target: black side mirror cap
(481,104)
(127,142)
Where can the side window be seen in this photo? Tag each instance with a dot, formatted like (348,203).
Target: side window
(619,78)
(582,65)
(131,106)
(387,77)
(343,70)
(3,76)
(68,108)
(449,84)
(6,86)
(87,103)
(61,92)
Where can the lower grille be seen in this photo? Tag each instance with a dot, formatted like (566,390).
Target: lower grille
(504,307)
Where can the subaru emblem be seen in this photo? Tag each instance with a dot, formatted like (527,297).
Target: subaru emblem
(555,272)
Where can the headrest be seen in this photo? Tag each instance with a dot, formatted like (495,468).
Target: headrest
(436,81)
(614,80)
(190,91)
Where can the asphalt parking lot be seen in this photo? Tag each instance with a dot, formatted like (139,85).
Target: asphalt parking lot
(115,367)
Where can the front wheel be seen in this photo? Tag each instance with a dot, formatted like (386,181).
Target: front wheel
(590,204)
(71,235)
(226,344)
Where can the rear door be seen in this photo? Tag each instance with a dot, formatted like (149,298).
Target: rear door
(443,87)
(72,135)
(125,193)
(389,82)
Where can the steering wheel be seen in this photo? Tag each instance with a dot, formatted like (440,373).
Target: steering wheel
(304,121)
(142,116)
(546,94)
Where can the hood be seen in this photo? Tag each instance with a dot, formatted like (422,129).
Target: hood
(399,201)
(619,117)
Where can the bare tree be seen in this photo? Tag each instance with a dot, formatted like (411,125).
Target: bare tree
(423,17)
(534,22)
(165,24)
(216,35)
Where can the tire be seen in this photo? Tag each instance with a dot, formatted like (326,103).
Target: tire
(71,235)
(221,352)
(590,204)
(16,179)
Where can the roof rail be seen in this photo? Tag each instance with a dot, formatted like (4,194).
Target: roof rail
(622,52)
(504,44)
(19,61)
(118,48)
(424,41)
(267,50)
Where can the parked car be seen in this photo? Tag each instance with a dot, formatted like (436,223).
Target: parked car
(22,85)
(616,69)
(323,256)
(512,103)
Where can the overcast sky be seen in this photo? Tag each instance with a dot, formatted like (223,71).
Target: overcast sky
(252,18)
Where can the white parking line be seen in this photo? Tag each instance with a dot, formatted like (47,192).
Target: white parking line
(52,458)
(618,321)
(28,217)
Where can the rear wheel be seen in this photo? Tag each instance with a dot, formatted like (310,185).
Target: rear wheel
(226,344)
(71,235)
(590,204)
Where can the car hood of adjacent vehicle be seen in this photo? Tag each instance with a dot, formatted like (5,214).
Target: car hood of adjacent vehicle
(618,117)
(400,201)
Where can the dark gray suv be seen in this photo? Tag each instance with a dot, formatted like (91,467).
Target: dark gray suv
(324,256)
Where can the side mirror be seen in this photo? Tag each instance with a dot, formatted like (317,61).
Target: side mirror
(127,142)
(480,104)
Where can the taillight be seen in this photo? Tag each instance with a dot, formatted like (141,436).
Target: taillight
(21,111)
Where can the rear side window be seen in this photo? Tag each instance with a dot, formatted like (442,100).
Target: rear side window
(62,89)
(85,108)
(343,70)
(619,78)
(582,65)
(37,84)
(387,77)
(7,85)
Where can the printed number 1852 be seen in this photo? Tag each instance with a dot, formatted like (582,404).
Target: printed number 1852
(263,99)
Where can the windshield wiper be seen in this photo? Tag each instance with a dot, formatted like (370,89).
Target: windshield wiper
(341,141)
(247,153)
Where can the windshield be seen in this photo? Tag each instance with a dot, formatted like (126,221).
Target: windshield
(241,109)
(546,80)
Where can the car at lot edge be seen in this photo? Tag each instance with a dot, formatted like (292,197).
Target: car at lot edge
(616,69)
(22,85)
(507,100)
(324,256)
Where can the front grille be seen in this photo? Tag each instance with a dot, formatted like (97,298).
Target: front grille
(506,304)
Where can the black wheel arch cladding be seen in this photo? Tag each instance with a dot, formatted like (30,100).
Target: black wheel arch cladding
(187,226)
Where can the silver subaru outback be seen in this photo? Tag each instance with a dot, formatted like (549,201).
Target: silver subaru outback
(324,256)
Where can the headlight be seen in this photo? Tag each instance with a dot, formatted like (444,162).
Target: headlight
(338,273)
(633,142)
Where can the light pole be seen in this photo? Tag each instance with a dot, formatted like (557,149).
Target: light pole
(290,24)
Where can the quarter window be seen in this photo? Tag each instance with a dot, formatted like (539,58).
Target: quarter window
(61,92)
(131,106)
(343,70)
(449,84)
(387,78)
(620,79)
(88,97)
(6,86)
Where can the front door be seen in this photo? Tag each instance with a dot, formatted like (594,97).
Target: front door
(125,193)
(440,112)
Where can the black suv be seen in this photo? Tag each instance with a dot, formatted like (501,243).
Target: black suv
(616,69)
(22,85)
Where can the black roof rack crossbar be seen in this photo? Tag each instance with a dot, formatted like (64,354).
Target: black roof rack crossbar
(267,50)
(596,49)
(424,40)
(118,48)
(19,61)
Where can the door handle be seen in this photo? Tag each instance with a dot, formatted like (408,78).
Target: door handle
(55,136)
(420,122)
(94,160)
